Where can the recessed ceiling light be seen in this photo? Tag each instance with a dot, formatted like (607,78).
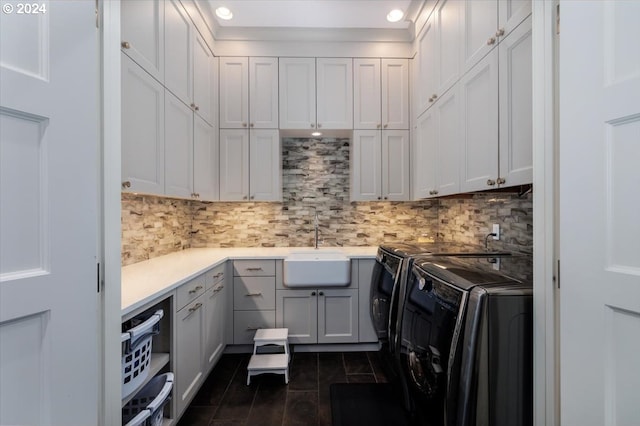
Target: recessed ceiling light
(316,134)
(395,15)
(224,13)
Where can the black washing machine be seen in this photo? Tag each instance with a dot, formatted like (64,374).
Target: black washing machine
(465,341)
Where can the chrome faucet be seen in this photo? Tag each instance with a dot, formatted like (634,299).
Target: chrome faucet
(315,225)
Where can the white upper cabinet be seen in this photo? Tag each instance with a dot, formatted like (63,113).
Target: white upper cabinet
(249,93)
(395,94)
(250,165)
(511,13)
(447,13)
(380,165)
(297,93)
(178,58)
(426,64)
(205,83)
(205,161)
(142,26)
(448,143)
(516,131)
(479,123)
(310,101)
(234,93)
(479,23)
(142,130)
(367,94)
(334,93)
(381,94)
(178,134)
(424,159)
(263,93)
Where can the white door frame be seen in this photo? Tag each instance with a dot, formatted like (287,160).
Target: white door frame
(111,389)
(545,184)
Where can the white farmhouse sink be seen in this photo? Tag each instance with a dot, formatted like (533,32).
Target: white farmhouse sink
(316,268)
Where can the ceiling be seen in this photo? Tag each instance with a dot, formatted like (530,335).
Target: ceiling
(341,19)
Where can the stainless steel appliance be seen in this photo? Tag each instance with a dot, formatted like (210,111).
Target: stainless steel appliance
(465,341)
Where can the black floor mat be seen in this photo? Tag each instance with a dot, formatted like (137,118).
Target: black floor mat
(371,404)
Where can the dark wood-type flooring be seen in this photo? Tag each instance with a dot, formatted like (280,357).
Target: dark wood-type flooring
(225,398)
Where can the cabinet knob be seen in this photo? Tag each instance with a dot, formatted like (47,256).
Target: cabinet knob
(378,126)
(492,40)
(501,181)
(244,124)
(319,125)
(126,184)
(386,198)
(491,182)
(125,45)
(500,32)
(321,293)
(244,198)
(313,125)
(313,293)
(252,197)
(434,96)
(385,126)
(251,125)
(379,198)
(193,106)
(197,108)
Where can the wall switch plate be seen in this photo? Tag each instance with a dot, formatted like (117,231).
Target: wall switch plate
(496,264)
(496,231)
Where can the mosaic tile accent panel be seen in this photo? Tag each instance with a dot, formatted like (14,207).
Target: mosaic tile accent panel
(153,226)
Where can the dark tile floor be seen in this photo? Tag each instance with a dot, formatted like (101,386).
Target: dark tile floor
(225,398)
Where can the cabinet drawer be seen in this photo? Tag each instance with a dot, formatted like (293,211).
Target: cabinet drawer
(190,290)
(245,324)
(255,268)
(215,276)
(254,293)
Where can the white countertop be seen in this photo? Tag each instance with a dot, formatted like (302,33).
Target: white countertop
(145,281)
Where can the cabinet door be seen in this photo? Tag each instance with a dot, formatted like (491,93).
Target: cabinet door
(189,350)
(245,324)
(265,182)
(365,166)
(254,293)
(234,165)
(334,91)
(516,132)
(297,310)
(204,81)
(338,316)
(142,130)
(479,119)
(367,95)
(448,143)
(178,128)
(479,22)
(178,56)
(395,165)
(215,324)
(448,44)
(395,94)
(367,332)
(297,89)
(263,93)
(205,160)
(424,160)
(427,69)
(234,93)
(142,27)
(511,13)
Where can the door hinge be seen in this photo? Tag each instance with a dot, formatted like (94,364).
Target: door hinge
(557,19)
(98,276)
(556,278)
(97,15)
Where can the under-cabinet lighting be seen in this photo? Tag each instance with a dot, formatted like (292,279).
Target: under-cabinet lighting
(395,15)
(224,13)
(316,134)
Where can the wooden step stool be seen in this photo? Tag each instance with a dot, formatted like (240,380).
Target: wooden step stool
(269,363)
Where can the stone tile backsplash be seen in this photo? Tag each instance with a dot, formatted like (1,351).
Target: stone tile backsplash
(316,178)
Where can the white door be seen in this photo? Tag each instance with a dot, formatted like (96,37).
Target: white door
(263,93)
(297,310)
(234,93)
(448,48)
(365,167)
(334,93)
(297,90)
(234,165)
(599,204)
(338,316)
(447,140)
(395,94)
(205,81)
(427,69)
(205,161)
(49,359)
(479,22)
(265,170)
(366,94)
(178,45)
(395,162)
(178,148)
(142,32)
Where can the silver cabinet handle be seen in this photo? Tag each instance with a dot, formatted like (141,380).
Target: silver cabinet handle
(244,198)
(378,126)
(125,45)
(252,197)
(251,125)
(385,126)
(500,32)
(195,307)
(126,184)
(492,40)
(313,125)
(501,181)
(218,275)
(195,289)
(253,294)
(244,124)
(197,108)
(252,328)
(218,289)
(491,182)
(254,269)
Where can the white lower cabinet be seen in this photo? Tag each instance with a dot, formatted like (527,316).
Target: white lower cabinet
(318,315)
(215,322)
(190,324)
(367,333)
